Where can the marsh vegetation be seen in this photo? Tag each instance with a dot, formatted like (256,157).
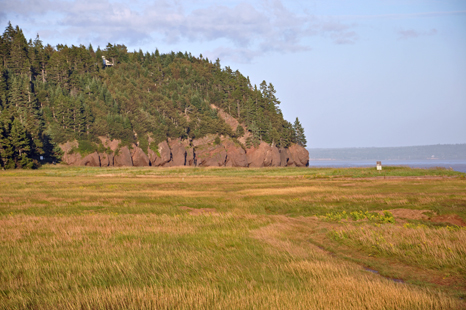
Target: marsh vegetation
(226,238)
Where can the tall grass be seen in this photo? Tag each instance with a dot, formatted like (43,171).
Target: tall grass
(87,238)
(182,262)
(434,248)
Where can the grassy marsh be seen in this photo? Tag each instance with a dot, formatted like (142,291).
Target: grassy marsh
(94,238)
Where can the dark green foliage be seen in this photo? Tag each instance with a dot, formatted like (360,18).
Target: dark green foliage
(300,138)
(15,144)
(54,95)
(144,142)
(239,131)
(85,147)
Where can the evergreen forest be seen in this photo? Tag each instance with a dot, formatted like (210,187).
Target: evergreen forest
(50,95)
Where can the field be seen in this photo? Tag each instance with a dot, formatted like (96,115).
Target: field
(227,238)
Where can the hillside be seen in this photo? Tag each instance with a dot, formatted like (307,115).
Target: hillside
(64,103)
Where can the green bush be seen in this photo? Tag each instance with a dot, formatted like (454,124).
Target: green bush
(374,217)
(86,147)
(239,131)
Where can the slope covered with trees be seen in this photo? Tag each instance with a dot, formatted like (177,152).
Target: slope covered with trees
(50,95)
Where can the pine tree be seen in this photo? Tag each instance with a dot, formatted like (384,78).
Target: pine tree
(3,87)
(18,60)
(274,137)
(21,143)
(6,149)
(17,99)
(299,133)
(6,41)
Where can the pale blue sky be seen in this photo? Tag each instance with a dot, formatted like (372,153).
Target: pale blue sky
(356,73)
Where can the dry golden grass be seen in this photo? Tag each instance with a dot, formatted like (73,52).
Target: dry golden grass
(124,239)
(283,191)
(124,262)
(333,295)
(441,248)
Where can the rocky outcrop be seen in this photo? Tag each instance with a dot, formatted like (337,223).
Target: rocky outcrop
(209,139)
(106,160)
(199,152)
(256,155)
(236,156)
(123,158)
(69,156)
(284,157)
(299,156)
(233,123)
(272,157)
(139,158)
(72,159)
(92,160)
(190,158)
(266,155)
(162,157)
(152,156)
(111,144)
(178,153)
(210,155)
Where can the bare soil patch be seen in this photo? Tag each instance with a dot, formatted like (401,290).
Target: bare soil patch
(420,177)
(200,211)
(450,219)
(409,214)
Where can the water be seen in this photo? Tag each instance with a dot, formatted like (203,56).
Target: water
(457,165)
(376,272)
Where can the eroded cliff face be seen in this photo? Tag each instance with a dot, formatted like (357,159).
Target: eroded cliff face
(202,152)
(199,152)
(264,155)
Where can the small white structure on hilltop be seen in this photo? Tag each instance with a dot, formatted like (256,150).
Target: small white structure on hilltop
(106,62)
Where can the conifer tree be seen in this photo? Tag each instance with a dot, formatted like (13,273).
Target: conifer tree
(21,143)
(18,60)
(3,87)
(300,138)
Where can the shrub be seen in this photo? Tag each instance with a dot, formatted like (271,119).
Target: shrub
(239,131)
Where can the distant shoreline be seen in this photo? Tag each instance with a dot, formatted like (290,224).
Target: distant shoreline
(455,164)
(376,159)
(424,152)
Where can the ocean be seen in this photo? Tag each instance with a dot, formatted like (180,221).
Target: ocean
(457,165)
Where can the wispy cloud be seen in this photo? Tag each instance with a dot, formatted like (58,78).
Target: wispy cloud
(401,16)
(339,32)
(250,29)
(238,55)
(404,34)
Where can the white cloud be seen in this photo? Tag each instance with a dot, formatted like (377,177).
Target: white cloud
(238,55)
(249,28)
(404,34)
(339,32)
(403,16)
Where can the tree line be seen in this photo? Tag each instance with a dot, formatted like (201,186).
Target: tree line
(50,95)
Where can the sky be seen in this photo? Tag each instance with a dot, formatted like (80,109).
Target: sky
(356,73)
